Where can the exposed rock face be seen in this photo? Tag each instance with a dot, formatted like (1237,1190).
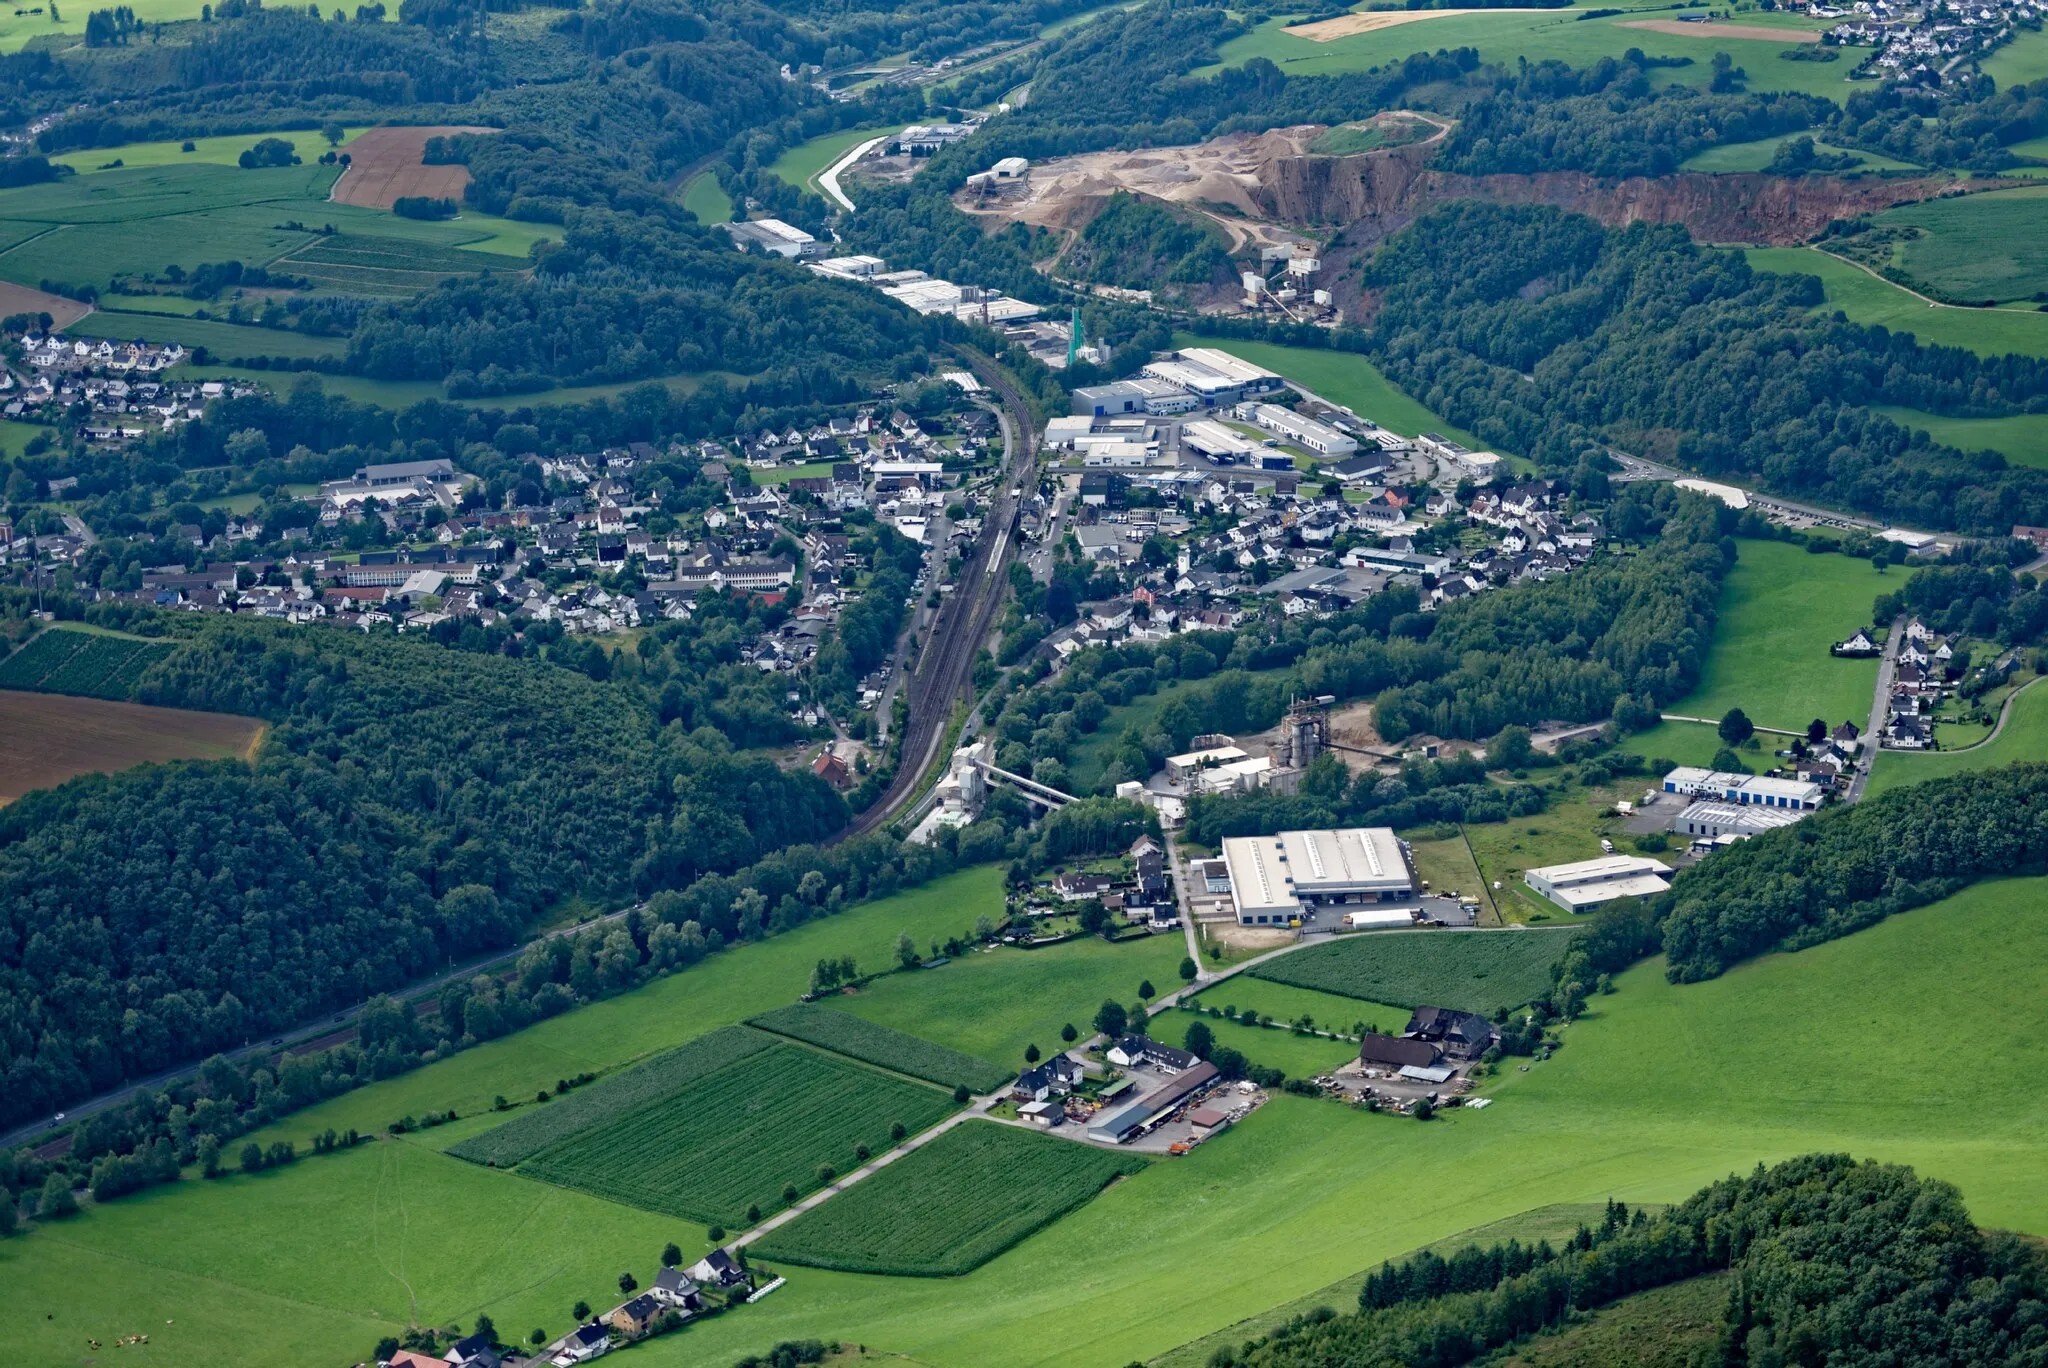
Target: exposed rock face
(1378,193)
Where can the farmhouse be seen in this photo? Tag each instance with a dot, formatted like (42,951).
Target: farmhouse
(1858,646)
(1138,1049)
(1588,883)
(1743,789)
(1056,1077)
(475,1352)
(1377,1051)
(1114,1128)
(1275,880)
(1463,1035)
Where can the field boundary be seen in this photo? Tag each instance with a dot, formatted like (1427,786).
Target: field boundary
(884,1047)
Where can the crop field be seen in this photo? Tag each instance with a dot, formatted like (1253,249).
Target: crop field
(1476,971)
(386,167)
(951,1206)
(993,1004)
(739,1135)
(1755,156)
(881,1046)
(1658,1089)
(1869,299)
(538,1126)
(1505,35)
(99,665)
(2022,439)
(1342,378)
(1781,608)
(350,263)
(1977,246)
(51,738)
(2025,737)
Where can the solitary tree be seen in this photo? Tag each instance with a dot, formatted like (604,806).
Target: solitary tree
(1110,1019)
(897,1131)
(671,1254)
(1031,1054)
(538,1337)
(753,1212)
(788,1193)
(906,951)
(486,1329)
(960,1094)
(1146,990)
(1816,731)
(581,1311)
(627,1282)
(826,1173)
(1424,1109)
(333,132)
(1736,727)
(1189,970)
(1069,1034)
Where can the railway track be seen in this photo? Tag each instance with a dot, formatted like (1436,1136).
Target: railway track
(946,665)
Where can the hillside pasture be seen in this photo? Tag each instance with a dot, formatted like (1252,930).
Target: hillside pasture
(1474,971)
(1736,158)
(2022,438)
(952,1205)
(1781,607)
(1976,246)
(538,1125)
(220,150)
(50,738)
(220,338)
(738,1135)
(1869,299)
(882,1046)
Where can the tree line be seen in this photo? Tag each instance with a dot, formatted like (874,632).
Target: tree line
(1828,1260)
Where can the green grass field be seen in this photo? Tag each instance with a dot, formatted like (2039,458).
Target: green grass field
(218,151)
(1867,299)
(1285,1002)
(2022,439)
(723,990)
(991,1005)
(1344,378)
(1755,156)
(2022,60)
(220,339)
(1781,607)
(803,164)
(538,1125)
(1297,1056)
(706,198)
(1682,743)
(886,1048)
(1474,971)
(784,474)
(1977,246)
(17,29)
(1508,35)
(737,1136)
(1659,1089)
(951,1206)
(2025,738)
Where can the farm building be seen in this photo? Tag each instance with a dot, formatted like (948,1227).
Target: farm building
(1048,1112)
(1589,883)
(1275,880)
(1377,1051)
(1462,1035)
(1138,1049)
(1113,1128)
(1745,789)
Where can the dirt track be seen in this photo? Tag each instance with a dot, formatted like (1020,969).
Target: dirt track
(384,167)
(1754,32)
(1346,25)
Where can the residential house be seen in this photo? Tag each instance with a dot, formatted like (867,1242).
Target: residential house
(1080,887)
(1056,1077)
(673,1288)
(475,1352)
(583,1344)
(1138,1049)
(832,770)
(637,1316)
(717,1269)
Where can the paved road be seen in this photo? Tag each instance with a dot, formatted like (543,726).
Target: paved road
(1880,701)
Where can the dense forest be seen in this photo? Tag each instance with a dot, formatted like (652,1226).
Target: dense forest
(411,804)
(1639,337)
(1820,1251)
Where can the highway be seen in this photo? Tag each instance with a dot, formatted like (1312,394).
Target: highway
(945,667)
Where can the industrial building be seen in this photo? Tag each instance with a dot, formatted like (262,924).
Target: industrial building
(772,236)
(1217,442)
(1214,377)
(1182,768)
(1744,789)
(1306,433)
(922,140)
(1142,395)
(1589,883)
(1279,880)
(1709,818)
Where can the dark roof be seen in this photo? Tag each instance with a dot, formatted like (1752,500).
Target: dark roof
(642,1307)
(1397,1051)
(1441,1023)
(674,1280)
(471,1347)
(589,1334)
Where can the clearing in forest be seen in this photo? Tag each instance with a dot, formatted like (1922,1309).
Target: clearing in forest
(48,738)
(385,167)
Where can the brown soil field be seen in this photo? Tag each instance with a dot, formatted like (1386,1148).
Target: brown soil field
(1680,29)
(16,299)
(384,167)
(48,738)
(1344,25)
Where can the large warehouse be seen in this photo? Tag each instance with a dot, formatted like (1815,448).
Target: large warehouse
(1588,883)
(1277,880)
